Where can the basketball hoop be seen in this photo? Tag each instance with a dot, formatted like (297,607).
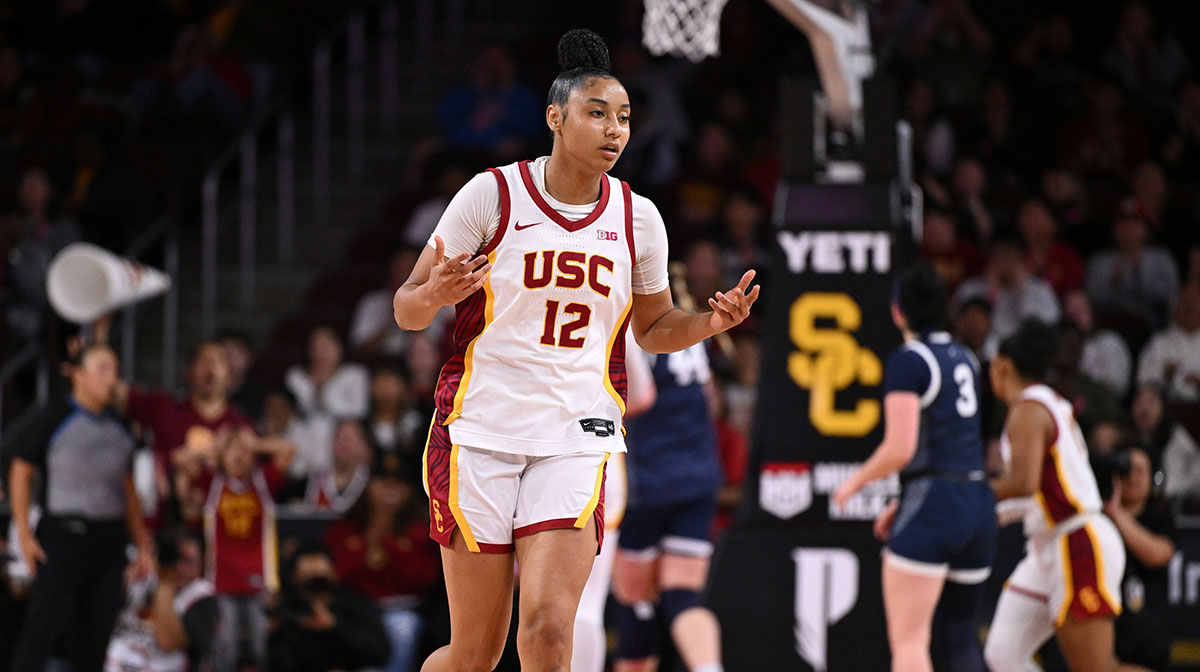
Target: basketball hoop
(689,28)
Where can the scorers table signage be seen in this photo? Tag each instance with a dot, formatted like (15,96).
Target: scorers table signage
(795,583)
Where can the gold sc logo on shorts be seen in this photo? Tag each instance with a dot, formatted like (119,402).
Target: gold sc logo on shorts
(830,359)
(1089,599)
(437,515)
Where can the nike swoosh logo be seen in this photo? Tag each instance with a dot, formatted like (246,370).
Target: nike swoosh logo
(521,227)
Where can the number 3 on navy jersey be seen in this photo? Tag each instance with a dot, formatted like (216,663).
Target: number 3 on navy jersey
(967,403)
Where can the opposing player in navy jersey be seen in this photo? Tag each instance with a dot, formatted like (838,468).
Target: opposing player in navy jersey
(941,534)
(664,547)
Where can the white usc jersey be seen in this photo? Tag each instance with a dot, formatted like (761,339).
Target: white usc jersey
(539,367)
(1067,486)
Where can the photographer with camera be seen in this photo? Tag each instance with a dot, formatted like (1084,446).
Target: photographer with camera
(1145,526)
(319,625)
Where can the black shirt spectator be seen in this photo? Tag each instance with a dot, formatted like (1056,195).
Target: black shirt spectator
(1146,529)
(321,625)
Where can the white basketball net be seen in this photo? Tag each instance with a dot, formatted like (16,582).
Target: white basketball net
(690,28)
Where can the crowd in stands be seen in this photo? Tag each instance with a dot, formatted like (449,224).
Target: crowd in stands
(1061,171)
(109,114)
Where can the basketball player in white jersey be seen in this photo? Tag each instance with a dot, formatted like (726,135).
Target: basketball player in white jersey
(546,262)
(1069,581)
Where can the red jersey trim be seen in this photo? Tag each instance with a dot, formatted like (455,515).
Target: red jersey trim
(550,212)
(1031,594)
(559,524)
(534,528)
(505,210)
(494,548)
(1054,495)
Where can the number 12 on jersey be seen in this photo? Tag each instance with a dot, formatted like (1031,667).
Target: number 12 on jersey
(566,332)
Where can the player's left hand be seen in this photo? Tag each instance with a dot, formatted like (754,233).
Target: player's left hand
(730,308)
(883,522)
(844,492)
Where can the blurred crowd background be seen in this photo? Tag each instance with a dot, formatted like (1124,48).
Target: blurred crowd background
(1057,145)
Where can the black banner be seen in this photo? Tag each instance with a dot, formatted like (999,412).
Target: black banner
(828,330)
(1183,587)
(800,600)
(796,583)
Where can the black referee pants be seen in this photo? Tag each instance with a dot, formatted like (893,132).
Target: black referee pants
(76,597)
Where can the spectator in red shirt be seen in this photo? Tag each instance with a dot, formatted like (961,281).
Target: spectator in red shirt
(1046,256)
(239,529)
(191,423)
(382,549)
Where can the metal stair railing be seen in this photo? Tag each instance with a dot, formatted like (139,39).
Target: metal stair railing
(350,34)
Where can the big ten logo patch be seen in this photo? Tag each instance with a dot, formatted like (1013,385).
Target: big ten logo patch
(238,511)
(829,359)
(607,235)
(826,590)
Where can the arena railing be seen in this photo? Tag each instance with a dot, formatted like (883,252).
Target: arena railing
(349,39)
(350,35)
(27,355)
(166,232)
(243,153)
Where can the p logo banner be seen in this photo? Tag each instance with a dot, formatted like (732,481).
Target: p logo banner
(832,574)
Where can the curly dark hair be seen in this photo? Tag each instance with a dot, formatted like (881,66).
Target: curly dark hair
(1032,349)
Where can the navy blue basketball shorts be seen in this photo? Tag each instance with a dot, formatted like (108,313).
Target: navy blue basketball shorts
(675,529)
(944,529)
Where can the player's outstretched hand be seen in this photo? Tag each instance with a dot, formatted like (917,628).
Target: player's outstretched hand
(452,280)
(730,308)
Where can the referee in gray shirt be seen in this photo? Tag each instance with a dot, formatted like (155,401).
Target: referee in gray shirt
(77,558)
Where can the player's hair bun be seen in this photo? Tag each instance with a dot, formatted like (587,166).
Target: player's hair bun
(582,48)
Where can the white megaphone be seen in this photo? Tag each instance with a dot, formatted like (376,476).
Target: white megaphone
(85,282)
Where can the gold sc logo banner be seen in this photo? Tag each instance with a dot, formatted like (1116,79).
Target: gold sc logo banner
(829,360)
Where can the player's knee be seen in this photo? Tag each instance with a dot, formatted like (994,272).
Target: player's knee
(676,601)
(634,584)
(544,633)
(637,631)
